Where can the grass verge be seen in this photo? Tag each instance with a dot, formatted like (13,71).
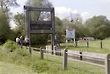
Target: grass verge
(49,65)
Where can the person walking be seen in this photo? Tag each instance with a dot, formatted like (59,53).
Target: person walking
(21,41)
(26,41)
(18,40)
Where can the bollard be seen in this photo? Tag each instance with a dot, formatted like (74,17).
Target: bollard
(87,44)
(55,49)
(42,53)
(80,55)
(52,52)
(30,51)
(76,44)
(65,59)
(101,44)
(107,64)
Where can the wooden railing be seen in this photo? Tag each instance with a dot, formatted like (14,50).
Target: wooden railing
(102,60)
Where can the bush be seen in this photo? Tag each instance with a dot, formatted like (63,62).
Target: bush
(22,52)
(10,45)
(14,52)
(18,56)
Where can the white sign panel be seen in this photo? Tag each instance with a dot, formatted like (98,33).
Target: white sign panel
(70,33)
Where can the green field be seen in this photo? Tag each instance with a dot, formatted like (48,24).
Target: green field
(94,46)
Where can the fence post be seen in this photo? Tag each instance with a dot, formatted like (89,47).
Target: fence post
(80,55)
(101,44)
(107,64)
(87,44)
(65,59)
(76,44)
(42,53)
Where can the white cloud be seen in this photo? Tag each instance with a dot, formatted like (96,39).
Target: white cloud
(64,12)
(104,1)
(85,15)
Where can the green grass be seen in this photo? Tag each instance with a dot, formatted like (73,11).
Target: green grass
(7,68)
(73,67)
(21,61)
(94,46)
(50,65)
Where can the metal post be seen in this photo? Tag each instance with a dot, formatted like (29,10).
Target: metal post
(42,53)
(65,59)
(74,40)
(101,44)
(76,44)
(52,43)
(87,44)
(107,64)
(55,48)
(74,36)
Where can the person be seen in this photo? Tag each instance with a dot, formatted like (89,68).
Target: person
(21,41)
(26,41)
(18,40)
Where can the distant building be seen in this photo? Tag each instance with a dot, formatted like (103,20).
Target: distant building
(87,38)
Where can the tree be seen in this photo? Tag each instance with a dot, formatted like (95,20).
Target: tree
(5,31)
(5,4)
(99,27)
(39,3)
(59,25)
(19,19)
(4,27)
(59,29)
(76,24)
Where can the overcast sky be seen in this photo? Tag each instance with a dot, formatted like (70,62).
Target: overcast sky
(86,8)
(66,8)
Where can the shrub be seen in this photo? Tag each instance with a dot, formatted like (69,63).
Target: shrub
(22,52)
(10,45)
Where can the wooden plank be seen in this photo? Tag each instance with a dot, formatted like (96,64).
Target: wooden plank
(45,25)
(65,59)
(40,28)
(41,22)
(30,8)
(41,31)
(28,29)
(53,27)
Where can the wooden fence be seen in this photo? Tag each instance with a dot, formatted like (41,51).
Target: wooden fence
(102,60)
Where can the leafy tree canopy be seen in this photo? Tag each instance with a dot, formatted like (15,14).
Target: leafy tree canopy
(99,27)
